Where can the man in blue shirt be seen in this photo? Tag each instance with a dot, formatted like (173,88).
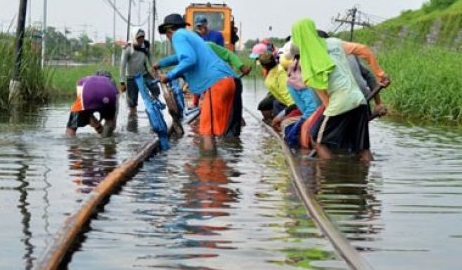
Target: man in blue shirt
(201,26)
(204,72)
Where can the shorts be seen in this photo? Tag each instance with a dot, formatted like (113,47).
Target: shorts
(349,130)
(82,118)
(132,89)
(266,104)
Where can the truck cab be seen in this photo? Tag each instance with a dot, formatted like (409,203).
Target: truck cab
(219,18)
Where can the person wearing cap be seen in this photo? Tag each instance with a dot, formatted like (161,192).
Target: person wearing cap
(344,123)
(135,59)
(204,72)
(95,94)
(276,83)
(202,27)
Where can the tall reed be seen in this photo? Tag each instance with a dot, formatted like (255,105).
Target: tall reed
(426,83)
(33,78)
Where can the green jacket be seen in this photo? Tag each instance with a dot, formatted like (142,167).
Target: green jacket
(226,55)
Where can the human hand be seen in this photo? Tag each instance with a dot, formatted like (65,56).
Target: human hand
(122,87)
(245,70)
(276,123)
(155,66)
(380,110)
(163,78)
(384,81)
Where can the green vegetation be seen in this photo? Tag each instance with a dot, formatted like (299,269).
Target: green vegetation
(34,80)
(420,50)
(425,84)
(65,78)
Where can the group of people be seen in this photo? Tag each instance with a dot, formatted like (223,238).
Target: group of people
(317,85)
(319,88)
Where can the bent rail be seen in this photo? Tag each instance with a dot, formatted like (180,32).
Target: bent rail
(340,243)
(55,252)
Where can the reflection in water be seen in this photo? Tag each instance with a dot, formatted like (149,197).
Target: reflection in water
(23,206)
(342,187)
(207,195)
(91,162)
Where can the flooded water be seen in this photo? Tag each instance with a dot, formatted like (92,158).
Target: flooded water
(188,209)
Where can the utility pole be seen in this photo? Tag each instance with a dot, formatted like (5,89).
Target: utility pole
(15,83)
(153,34)
(353,21)
(149,22)
(44,31)
(129,19)
(114,33)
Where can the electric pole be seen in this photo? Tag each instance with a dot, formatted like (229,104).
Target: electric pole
(15,83)
(44,31)
(153,34)
(353,21)
(114,32)
(129,19)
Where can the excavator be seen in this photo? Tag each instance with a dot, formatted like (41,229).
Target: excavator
(219,17)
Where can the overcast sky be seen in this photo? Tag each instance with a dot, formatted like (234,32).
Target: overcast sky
(255,17)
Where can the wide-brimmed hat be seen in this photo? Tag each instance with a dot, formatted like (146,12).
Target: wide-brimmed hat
(173,19)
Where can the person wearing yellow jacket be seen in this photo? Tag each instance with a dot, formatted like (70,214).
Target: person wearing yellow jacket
(276,83)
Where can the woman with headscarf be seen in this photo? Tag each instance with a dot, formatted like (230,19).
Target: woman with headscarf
(344,123)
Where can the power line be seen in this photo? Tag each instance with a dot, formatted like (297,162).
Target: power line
(123,17)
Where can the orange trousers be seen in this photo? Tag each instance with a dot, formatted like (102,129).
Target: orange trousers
(216,107)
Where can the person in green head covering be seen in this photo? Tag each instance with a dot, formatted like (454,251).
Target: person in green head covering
(344,123)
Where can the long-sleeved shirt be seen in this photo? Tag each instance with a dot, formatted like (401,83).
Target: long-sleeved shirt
(276,83)
(365,53)
(133,62)
(226,55)
(195,61)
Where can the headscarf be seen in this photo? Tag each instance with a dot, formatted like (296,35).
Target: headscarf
(315,62)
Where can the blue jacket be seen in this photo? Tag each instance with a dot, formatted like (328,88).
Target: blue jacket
(195,61)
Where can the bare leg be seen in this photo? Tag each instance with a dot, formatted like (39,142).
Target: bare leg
(365,155)
(132,111)
(267,116)
(94,123)
(70,132)
(108,128)
(208,144)
(323,151)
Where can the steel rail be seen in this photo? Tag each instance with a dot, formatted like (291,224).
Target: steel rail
(64,239)
(316,212)
(53,255)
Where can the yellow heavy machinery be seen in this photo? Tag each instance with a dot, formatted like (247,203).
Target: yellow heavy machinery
(219,17)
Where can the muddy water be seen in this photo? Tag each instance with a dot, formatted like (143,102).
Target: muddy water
(187,209)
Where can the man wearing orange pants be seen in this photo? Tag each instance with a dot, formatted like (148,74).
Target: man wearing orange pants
(204,72)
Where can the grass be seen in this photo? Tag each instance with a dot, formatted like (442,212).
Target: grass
(425,83)
(64,78)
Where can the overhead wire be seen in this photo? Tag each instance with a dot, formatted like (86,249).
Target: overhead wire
(374,20)
(111,4)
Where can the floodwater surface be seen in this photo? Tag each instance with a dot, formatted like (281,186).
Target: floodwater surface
(233,208)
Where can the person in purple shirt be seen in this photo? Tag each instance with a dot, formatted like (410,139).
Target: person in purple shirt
(95,94)
(201,26)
